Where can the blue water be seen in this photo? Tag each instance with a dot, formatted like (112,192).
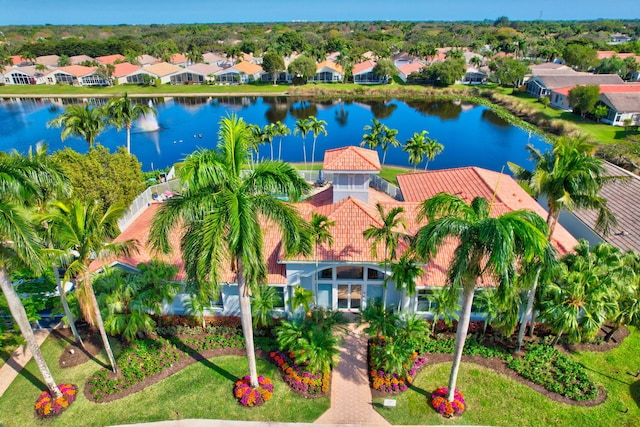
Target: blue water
(472,135)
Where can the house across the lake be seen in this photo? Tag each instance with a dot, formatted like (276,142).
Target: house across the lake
(347,275)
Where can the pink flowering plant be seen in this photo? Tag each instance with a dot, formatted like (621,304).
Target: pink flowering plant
(445,408)
(249,396)
(389,382)
(298,377)
(48,406)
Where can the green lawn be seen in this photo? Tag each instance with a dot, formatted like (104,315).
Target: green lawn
(202,390)
(495,400)
(390,173)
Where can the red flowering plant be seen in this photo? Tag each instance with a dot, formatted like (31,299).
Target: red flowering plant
(298,378)
(249,396)
(440,403)
(47,406)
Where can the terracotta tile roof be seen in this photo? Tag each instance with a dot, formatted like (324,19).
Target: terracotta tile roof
(470,182)
(162,69)
(411,67)
(145,59)
(204,69)
(330,65)
(351,158)
(210,57)
(79,58)
(606,54)
(124,68)
(615,88)
(363,67)
(51,60)
(78,70)
(177,58)
(548,66)
(623,198)
(109,59)
(248,68)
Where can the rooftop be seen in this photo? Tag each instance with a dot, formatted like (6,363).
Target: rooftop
(351,158)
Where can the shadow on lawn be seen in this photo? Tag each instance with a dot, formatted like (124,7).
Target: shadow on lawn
(635,392)
(26,374)
(419,390)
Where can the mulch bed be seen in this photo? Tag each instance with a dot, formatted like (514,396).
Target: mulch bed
(74,355)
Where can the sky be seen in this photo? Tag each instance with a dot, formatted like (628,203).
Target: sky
(113,12)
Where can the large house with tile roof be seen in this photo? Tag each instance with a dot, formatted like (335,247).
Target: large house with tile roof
(328,72)
(347,275)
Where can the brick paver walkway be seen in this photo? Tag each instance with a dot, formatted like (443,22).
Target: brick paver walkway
(12,367)
(351,401)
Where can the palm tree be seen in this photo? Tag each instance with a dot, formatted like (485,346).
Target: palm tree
(83,121)
(321,234)
(268,133)
(223,208)
(389,139)
(302,127)
(432,149)
(487,247)
(571,177)
(316,127)
(416,146)
(374,134)
(264,300)
(444,305)
(281,130)
(301,298)
(20,179)
(122,112)
(79,228)
(388,234)
(405,272)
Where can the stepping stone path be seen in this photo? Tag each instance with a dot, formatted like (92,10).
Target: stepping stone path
(351,401)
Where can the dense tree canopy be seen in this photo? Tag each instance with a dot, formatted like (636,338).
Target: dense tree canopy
(508,71)
(583,98)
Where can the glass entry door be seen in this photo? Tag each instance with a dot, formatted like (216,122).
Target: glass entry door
(349,297)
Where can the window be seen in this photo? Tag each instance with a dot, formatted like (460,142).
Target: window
(350,272)
(373,274)
(280,292)
(327,273)
(424,303)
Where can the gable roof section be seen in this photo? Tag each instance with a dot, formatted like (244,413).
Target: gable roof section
(330,65)
(162,69)
(76,59)
(351,158)
(204,69)
(109,59)
(558,81)
(248,68)
(51,60)
(411,67)
(78,70)
(124,69)
(363,67)
(616,88)
(145,59)
(622,102)
(177,58)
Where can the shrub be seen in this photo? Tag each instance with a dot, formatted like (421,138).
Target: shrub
(297,377)
(249,396)
(440,403)
(46,406)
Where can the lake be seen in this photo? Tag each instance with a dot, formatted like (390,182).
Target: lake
(472,135)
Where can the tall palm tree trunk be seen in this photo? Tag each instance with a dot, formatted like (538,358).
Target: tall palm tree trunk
(20,316)
(65,305)
(280,149)
(529,311)
(128,126)
(315,275)
(304,152)
(247,326)
(100,323)
(313,151)
(461,337)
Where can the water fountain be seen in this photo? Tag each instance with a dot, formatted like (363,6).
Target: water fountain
(149,122)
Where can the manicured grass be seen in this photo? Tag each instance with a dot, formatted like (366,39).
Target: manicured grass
(202,390)
(9,344)
(493,399)
(390,173)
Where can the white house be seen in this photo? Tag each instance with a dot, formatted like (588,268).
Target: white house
(328,72)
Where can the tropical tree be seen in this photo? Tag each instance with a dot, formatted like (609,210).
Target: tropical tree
(386,69)
(268,133)
(303,128)
(389,139)
(83,233)
(416,147)
(224,208)
(321,234)
(281,130)
(82,121)
(405,272)
(122,112)
(432,149)
(263,302)
(628,298)
(301,298)
(445,306)
(571,177)
(388,233)
(373,135)
(20,178)
(487,247)
(316,127)
(273,64)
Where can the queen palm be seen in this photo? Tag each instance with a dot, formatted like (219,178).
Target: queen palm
(79,228)
(373,135)
(20,179)
(281,130)
(416,147)
(82,121)
(302,127)
(268,133)
(321,234)
(316,127)
(387,233)
(405,272)
(224,208)
(571,177)
(389,139)
(122,112)
(432,149)
(487,247)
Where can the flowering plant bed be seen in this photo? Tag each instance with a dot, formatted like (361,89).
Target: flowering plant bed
(47,406)
(250,397)
(445,408)
(394,383)
(305,383)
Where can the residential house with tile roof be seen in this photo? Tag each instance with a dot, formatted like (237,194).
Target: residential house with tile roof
(144,60)
(363,73)
(560,97)
(347,275)
(406,69)
(78,75)
(23,75)
(328,72)
(110,59)
(79,59)
(542,84)
(242,72)
(162,71)
(122,71)
(48,60)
